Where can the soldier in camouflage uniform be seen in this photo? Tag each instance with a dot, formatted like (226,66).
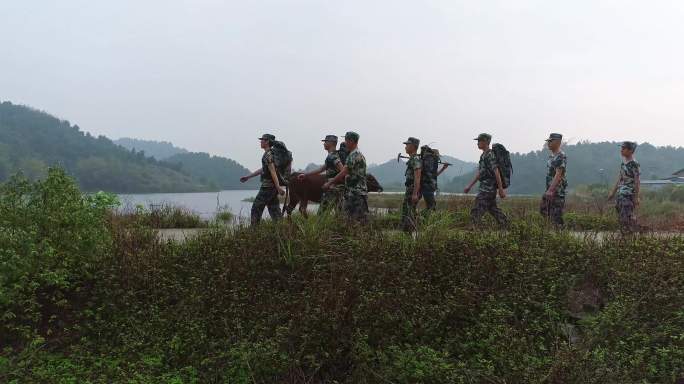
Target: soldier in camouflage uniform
(489,176)
(412,183)
(354,176)
(270,185)
(332,198)
(627,188)
(553,201)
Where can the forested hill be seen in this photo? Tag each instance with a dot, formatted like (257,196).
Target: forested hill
(31,141)
(216,171)
(160,150)
(588,163)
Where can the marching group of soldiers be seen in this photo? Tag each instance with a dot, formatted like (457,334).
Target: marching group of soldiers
(346,188)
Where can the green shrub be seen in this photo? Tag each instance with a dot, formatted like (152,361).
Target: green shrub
(53,240)
(404,364)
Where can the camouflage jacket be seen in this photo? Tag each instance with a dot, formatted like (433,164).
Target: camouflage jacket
(486,167)
(331,162)
(628,173)
(557,161)
(412,164)
(355,181)
(266,159)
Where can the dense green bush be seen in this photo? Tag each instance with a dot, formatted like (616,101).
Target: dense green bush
(315,300)
(53,240)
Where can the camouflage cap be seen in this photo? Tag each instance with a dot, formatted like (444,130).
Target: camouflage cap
(483,137)
(412,140)
(353,136)
(555,136)
(631,145)
(267,136)
(330,138)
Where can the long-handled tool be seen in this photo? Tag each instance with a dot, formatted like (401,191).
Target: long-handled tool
(400,156)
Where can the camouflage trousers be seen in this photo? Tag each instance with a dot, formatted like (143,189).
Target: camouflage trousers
(408,212)
(356,207)
(552,209)
(486,202)
(267,197)
(430,202)
(331,200)
(625,209)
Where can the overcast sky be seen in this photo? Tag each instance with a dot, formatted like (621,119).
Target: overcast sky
(214,75)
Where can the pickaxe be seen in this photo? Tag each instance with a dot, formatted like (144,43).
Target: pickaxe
(400,156)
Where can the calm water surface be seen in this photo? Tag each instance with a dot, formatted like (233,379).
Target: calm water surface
(205,204)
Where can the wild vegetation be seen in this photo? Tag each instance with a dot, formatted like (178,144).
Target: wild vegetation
(85,298)
(159,217)
(224,214)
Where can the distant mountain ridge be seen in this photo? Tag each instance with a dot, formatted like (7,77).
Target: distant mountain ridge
(390,174)
(160,150)
(216,171)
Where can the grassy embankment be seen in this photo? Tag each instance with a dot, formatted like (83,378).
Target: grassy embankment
(85,298)
(587,209)
(167,216)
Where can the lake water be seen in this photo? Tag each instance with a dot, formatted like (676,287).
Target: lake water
(204,204)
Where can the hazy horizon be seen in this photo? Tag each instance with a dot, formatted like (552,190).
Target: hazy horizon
(211,76)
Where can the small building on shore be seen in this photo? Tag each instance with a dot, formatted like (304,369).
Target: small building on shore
(677,178)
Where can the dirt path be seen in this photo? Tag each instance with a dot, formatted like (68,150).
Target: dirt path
(179,234)
(182,234)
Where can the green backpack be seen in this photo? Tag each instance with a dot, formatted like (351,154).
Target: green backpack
(503,160)
(282,159)
(430,163)
(343,153)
